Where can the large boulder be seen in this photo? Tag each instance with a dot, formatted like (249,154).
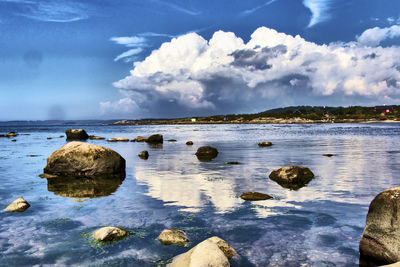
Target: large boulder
(212,252)
(380,243)
(109,233)
(172,236)
(18,205)
(155,139)
(78,159)
(292,177)
(206,153)
(76,134)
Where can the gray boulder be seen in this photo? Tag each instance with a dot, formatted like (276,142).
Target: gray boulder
(254,196)
(155,139)
(292,177)
(206,153)
(80,159)
(18,205)
(212,252)
(172,236)
(380,242)
(109,233)
(76,134)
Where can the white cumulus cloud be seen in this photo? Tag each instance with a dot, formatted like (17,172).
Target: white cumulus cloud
(374,36)
(225,74)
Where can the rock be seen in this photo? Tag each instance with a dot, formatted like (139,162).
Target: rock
(397,264)
(254,196)
(380,242)
(171,140)
(264,144)
(144,154)
(76,134)
(139,139)
(11,134)
(206,153)
(118,139)
(189,143)
(94,137)
(109,233)
(212,252)
(3,135)
(233,162)
(14,140)
(61,136)
(79,159)
(155,139)
(293,177)
(49,138)
(18,205)
(327,155)
(172,236)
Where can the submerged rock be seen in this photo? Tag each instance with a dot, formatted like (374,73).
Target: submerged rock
(172,236)
(109,233)
(82,187)
(95,137)
(79,159)
(118,139)
(264,144)
(380,242)
(18,205)
(254,196)
(76,134)
(61,136)
(139,139)
(327,155)
(189,143)
(49,138)
(14,140)
(155,139)
(233,162)
(171,140)
(292,177)
(206,153)
(212,252)
(144,154)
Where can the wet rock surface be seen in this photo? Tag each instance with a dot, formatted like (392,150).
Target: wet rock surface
(155,139)
(380,242)
(254,196)
(292,177)
(206,153)
(76,134)
(172,236)
(18,205)
(109,234)
(79,159)
(144,154)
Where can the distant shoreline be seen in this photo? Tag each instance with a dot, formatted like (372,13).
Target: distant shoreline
(266,121)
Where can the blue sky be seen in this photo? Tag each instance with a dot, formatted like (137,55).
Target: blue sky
(161,58)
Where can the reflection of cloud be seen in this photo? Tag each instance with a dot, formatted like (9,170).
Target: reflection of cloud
(191,192)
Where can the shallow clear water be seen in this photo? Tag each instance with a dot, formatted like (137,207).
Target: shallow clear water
(318,225)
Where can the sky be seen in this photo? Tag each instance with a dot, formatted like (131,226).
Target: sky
(132,59)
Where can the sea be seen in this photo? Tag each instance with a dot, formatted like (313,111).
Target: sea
(320,224)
